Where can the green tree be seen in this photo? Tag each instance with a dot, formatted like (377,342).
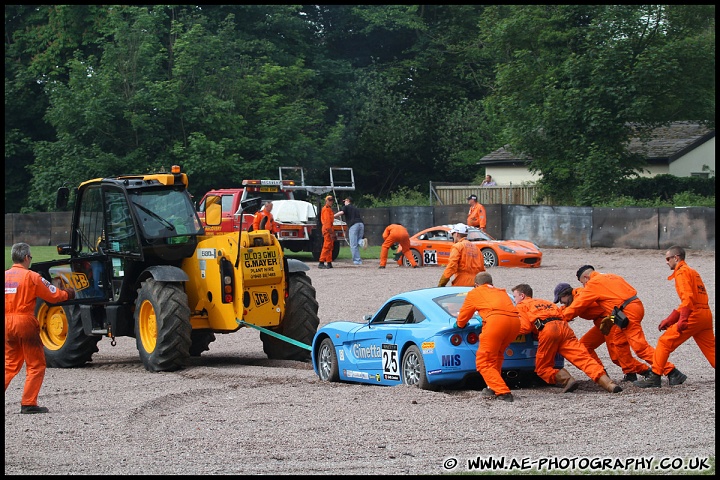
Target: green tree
(25,103)
(404,94)
(415,111)
(179,85)
(575,83)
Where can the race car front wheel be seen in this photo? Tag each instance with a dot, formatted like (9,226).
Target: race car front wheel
(490,257)
(416,256)
(327,362)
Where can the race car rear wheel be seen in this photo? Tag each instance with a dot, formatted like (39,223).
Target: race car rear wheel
(327,362)
(491,259)
(413,369)
(416,256)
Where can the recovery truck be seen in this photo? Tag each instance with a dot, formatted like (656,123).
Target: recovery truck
(298,220)
(141,266)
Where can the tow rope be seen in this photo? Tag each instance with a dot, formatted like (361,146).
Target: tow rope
(275,334)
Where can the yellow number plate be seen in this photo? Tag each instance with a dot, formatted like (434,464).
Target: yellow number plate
(268,189)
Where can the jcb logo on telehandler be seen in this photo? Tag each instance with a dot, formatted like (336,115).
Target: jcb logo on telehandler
(79,281)
(261,298)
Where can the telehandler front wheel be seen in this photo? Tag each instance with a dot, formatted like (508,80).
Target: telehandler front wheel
(162,326)
(62,335)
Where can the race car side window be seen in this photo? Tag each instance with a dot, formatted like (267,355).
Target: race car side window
(395,312)
(416,316)
(438,235)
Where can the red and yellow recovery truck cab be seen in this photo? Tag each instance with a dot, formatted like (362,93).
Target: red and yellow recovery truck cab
(298,220)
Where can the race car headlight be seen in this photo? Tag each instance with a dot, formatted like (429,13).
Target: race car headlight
(506,249)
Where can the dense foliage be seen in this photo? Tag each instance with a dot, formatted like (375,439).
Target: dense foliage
(403,94)
(663,191)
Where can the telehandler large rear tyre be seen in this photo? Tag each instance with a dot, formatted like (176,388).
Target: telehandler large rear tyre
(162,326)
(300,323)
(62,335)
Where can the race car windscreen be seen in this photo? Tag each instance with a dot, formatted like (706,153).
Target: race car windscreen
(475,235)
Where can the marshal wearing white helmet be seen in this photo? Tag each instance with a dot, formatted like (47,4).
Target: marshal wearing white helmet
(466,260)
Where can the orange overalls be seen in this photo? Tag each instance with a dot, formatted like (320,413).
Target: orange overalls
(269,224)
(500,326)
(610,291)
(466,261)
(691,290)
(617,344)
(396,233)
(327,219)
(555,336)
(476,216)
(22,330)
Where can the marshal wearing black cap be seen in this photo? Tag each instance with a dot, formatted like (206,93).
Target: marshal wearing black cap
(582,269)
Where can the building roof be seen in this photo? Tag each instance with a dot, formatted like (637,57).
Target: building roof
(673,141)
(666,144)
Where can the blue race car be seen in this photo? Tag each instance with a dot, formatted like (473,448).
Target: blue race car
(411,341)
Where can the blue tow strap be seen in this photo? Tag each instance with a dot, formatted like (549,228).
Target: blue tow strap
(275,334)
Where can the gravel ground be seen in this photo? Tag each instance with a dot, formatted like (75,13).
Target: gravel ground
(233,411)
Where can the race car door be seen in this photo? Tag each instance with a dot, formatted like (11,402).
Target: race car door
(375,348)
(437,249)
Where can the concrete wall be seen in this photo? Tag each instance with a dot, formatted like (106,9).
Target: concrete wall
(547,226)
(559,227)
(37,229)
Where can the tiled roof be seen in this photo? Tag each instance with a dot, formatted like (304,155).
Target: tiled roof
(673,141)
(666,144)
